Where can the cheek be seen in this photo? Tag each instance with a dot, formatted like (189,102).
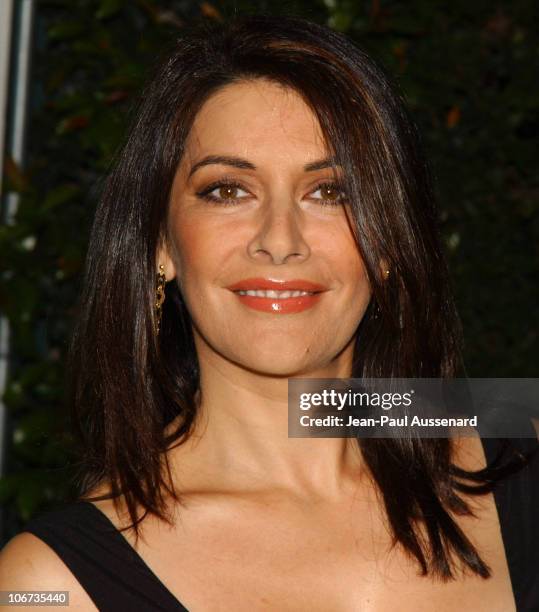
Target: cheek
(358,272)
(341,250)
(197,252)
(355,283)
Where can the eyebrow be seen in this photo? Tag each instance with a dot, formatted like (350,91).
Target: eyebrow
(238,162)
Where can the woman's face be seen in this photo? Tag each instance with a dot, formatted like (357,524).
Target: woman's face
(272,218)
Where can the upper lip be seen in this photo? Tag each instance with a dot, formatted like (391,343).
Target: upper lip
(298,284)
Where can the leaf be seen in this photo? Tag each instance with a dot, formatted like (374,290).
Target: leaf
(71,124)
(59,195)
(108,8)
(17,180)
(453,117)
(65,30)
(208,10)
(29,497)
(7,487)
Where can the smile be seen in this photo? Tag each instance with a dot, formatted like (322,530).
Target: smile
(278,302)
(275,294)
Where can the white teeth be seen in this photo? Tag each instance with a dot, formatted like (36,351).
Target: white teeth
(271,293)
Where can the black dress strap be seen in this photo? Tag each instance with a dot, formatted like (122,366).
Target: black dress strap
(104,563)
(517,501)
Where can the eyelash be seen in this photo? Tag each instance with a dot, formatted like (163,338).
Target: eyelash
(205,193)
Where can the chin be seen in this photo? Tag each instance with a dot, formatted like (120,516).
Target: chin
(277,363)
(281,370)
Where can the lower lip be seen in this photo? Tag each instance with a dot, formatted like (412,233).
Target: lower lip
(280,306)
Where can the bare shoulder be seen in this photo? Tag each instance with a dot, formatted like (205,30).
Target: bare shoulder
(29,564)
(26,561)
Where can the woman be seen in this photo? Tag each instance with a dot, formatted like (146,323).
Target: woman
(269,154)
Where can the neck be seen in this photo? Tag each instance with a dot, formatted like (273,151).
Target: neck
(240,440)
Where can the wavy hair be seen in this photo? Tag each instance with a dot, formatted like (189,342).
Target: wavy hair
(126,384)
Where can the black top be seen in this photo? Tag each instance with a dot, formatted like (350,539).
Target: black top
(116,577)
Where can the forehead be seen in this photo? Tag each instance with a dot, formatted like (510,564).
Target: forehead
(250,117)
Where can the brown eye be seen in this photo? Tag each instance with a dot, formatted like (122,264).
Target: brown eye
(227,192)
(331,194)
(223,191)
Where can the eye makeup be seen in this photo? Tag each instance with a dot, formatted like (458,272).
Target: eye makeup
(231,184)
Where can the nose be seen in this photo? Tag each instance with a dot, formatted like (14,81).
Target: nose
(278,236)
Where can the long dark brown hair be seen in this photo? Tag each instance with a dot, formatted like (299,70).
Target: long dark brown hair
(127,384)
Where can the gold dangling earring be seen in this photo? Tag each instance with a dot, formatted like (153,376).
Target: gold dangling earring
(377,310)
(159,297)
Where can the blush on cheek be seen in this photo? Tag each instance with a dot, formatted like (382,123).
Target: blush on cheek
(189,249)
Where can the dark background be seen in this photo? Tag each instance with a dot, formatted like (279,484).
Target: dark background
(469,73)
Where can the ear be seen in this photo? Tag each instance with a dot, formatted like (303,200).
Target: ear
(162,257)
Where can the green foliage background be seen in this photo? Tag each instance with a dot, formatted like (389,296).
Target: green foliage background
(466,69)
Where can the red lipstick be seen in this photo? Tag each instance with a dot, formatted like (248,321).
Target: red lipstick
(278,304)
